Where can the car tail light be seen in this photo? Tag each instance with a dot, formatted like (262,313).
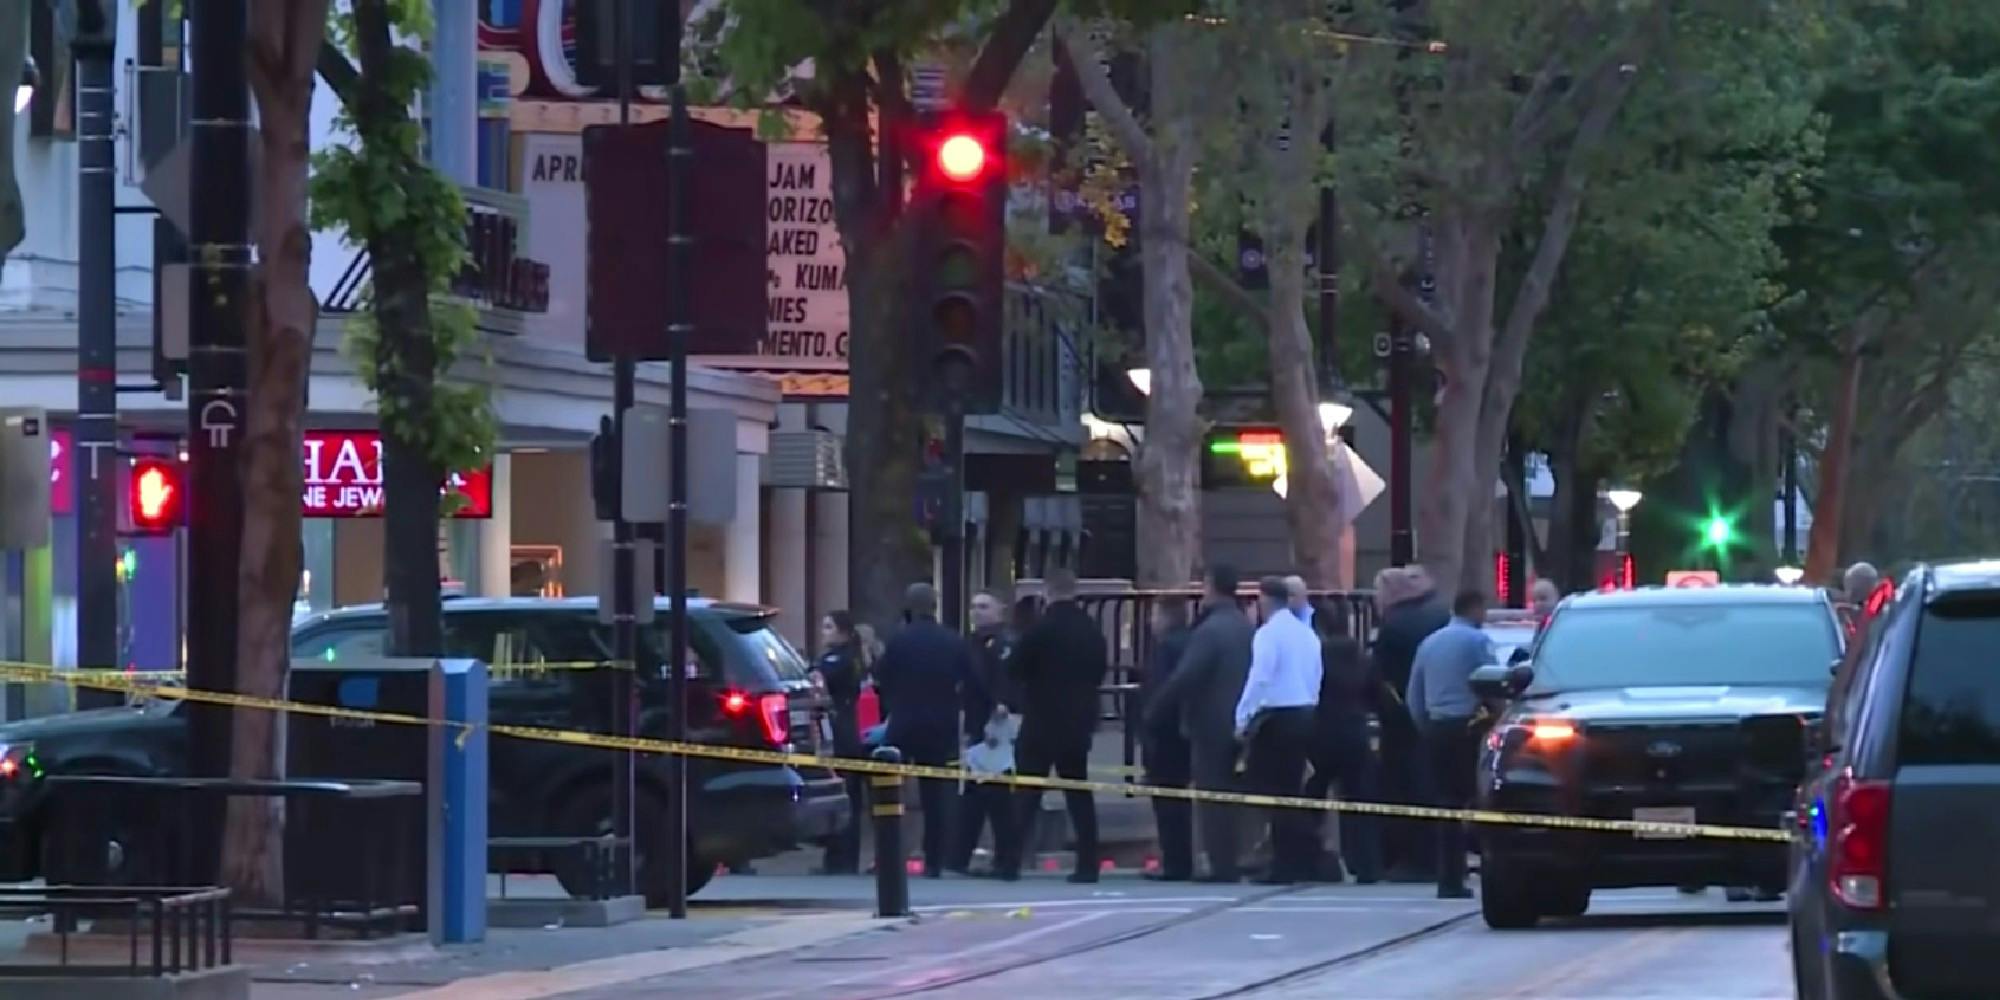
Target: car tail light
(1857,870)
(773,713)
(1542,734)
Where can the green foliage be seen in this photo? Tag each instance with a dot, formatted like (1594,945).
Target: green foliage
(1665,291)
(381,187)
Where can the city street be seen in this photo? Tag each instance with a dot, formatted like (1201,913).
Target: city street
(1362,943)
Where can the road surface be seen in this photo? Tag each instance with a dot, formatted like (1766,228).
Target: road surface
(1207,943)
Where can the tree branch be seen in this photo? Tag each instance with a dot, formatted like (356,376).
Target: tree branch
(1013,35)
(339,74)
(1387,284)
(1098,90)
(1533,295)
(1205,271)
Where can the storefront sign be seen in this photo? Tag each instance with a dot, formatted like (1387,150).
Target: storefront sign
(343,478)
(1243,456)
(806,299)
(805,268)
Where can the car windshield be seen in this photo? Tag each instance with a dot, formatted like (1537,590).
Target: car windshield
(1686,644)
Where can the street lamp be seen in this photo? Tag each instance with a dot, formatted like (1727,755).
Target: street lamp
(1141,379)
(24,93)
(1623,501)
(1333,416)
(1789,575)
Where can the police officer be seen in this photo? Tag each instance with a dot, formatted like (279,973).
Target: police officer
(1343,751)
(1060,663)
(990,704)
(839,670)
(1169,756)
(921,677)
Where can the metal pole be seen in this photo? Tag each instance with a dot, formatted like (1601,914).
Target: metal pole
(1328,253)
(1402,539)
(1790,450)
(97,372)
(680,324)
(624,589)
(220,248)
(953,516)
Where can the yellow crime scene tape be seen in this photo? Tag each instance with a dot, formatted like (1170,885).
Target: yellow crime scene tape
(130,683)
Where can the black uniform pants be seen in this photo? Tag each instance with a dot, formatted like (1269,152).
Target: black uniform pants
(1452,749)
(981,803)
(1342,755)
(1170,764)
(935,799)
(1040,756)
(1410,845)
(1221,823)
(1279,749)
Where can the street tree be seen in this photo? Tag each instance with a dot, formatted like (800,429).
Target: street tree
(1910,186)
(1664,299)
(849,64)
(1495,103)
(284,37)
(389,198)
(1162,148)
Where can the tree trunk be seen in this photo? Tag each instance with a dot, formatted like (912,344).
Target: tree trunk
(1168,471)
(1823,548)
(1572,523)
(284,37)
(1468,252)
(1312,501)
(888,550)
(405,356)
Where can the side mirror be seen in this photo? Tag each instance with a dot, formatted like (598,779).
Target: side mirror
(1497,683)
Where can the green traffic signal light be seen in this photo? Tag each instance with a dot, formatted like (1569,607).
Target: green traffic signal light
(1717,531)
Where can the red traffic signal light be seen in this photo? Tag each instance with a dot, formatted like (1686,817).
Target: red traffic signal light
(155,496)
(961,157)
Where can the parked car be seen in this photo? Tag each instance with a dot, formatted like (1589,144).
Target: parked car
(747,688)
(1672,706)
(1895,892)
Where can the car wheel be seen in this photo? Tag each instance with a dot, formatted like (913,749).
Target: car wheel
(1568,899)
(589,814)
(1506,900)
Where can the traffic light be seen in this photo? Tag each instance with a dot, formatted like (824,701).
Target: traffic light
(155,495)
(959,205)
(1718,533)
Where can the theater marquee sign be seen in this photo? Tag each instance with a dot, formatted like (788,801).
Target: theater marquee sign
(526,68)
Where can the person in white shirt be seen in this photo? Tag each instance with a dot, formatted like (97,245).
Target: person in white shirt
(1274,716)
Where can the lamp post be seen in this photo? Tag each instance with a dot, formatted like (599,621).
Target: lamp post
(1789,575)
(1623,501)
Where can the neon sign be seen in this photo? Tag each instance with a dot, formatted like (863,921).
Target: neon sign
(1245,457)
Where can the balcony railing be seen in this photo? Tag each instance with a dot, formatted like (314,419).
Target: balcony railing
(499,283)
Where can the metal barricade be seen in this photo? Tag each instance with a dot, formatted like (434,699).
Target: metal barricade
(348,844)
(168,931)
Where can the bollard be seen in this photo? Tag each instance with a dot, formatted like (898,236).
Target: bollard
(892,875)
(457,789)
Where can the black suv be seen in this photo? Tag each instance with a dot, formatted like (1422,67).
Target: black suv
(1656,705)
(1895,891)
(747,688)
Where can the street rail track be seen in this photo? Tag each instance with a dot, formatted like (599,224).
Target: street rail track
(1082,949)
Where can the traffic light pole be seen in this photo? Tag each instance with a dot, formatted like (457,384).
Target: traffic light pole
(952,518)
(219,245)
(96,433)
(624,565)
(680,325)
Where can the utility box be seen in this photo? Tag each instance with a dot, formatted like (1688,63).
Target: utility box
(25,463)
